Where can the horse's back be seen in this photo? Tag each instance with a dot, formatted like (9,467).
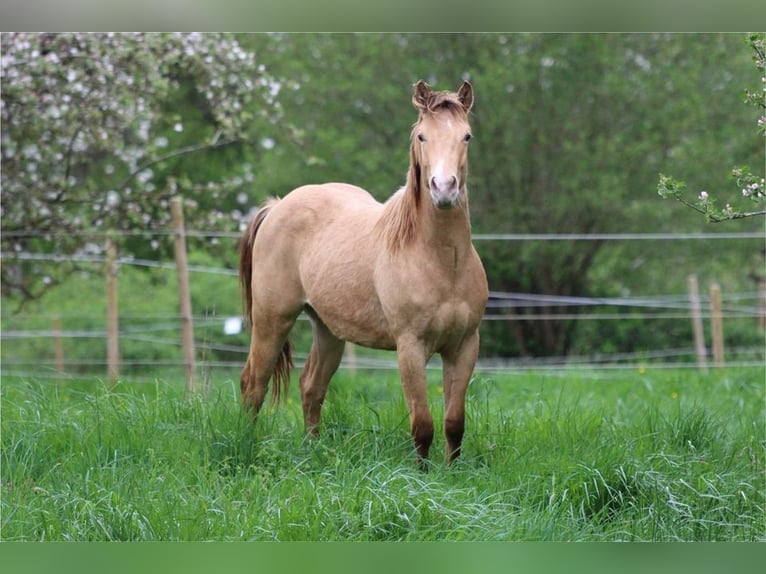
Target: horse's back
(311,209)
(332,198)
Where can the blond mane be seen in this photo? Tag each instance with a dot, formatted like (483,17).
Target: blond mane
(398,225)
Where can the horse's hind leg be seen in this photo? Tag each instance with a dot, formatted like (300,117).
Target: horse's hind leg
(324,358)
(266,345)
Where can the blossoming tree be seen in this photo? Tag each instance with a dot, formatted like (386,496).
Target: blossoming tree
(94,125)
(751,186)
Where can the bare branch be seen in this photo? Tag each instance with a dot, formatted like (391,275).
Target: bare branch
(739,216)
(177,153)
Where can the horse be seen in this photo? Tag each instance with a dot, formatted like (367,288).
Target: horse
(401,275)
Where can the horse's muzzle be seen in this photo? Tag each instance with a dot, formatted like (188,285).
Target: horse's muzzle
(444,204)
(444,192)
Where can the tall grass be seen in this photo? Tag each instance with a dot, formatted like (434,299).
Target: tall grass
(570,456)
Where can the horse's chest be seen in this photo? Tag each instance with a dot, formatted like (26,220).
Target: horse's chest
(441,312)
(451,317)
(438,299)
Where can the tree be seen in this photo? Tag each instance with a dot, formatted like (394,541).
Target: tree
(95,130)
(569,146)
(752,187)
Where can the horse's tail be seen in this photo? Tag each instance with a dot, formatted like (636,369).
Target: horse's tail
(246,259)
(284,361)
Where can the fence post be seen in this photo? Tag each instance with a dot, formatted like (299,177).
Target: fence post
(350,353)
(696,310)
(182,268)
(762,303)
(112,314)
(58,346)
(716,321)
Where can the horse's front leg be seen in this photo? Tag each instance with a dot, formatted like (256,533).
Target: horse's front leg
(458,367)
(412,370)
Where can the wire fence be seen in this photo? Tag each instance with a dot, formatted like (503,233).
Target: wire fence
(161,332)
(674,236)
(220,344)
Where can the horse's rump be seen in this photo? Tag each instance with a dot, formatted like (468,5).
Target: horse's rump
(284,361)
(246,258)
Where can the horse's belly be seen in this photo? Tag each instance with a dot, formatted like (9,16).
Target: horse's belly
(356,321)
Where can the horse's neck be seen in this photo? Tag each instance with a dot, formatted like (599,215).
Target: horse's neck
(446,229)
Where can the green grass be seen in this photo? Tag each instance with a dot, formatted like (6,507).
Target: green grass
(572,455)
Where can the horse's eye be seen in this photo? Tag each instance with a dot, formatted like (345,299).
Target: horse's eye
(467,137)
(421,138)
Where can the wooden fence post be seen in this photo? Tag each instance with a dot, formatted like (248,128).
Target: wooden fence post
(350,353)
(716,322)
(58,347)
(696,310)
(187,329)
(112,315)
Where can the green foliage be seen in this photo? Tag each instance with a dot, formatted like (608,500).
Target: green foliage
(575,127)
(669,455)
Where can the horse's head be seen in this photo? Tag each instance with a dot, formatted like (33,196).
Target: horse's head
(439,146)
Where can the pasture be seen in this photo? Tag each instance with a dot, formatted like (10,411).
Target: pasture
(577,454)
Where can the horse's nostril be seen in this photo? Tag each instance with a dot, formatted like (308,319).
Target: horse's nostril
(444,183)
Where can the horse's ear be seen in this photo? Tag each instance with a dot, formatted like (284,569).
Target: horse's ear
(420,95)
(465,95)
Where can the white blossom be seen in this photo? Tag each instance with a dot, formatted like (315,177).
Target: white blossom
(85,112)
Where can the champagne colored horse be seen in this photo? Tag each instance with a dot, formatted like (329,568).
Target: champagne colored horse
(402,276)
